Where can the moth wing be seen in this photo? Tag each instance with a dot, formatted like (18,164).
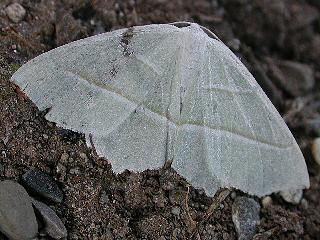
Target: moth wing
(239,139)
(113,86)
(156,93)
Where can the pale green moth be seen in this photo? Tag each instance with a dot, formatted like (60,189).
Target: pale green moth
(168,92)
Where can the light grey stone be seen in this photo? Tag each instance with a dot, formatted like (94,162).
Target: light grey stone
(64,157)
(17,218)
(245,217)
(53,225)
(304,203)
(266,201)
(233,195)
(294,77)
(292,196)
(234,44)
(152,94)
(15,12)
(75,171)
(62,170)
(176,211)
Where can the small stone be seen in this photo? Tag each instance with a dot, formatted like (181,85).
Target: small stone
(15,12)
(214,3)
(68,28)
(201,192)
(176,233)
(83,156)
(75,171)
(315,148)
(1,169)
(292,196)
(17,220)
(234,44)
(62,171)
(43,185)
(168,186)
(64,157)
(176,197)
(204,207)
(176,211)
(294,77)
(233,195)
(266,201)
(245,217)
(53,225)
(225,236)
(159,201)
(104,199)
(304,203)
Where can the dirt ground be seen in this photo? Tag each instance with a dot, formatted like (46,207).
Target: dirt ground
(100,205)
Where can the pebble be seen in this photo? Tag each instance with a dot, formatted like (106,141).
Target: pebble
(234,44)
(62,171)
(304,203)
(1,169)
(294,77)
(292,196)
(83,156)
(159,201)
(104,199)
(64,157)
(15,12)
(315,148)
(176,211)
(75,171)
(168,186)
(17,220)
(266,201)
(233,195)
(245,217)
(43,185)
(53,225)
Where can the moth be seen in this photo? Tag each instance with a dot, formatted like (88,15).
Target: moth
(168,93)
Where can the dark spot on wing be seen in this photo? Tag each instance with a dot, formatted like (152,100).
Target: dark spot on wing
(125,41)
(180,24)
(187,24)
(113,71)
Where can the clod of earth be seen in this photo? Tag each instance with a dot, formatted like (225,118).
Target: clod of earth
(158,94)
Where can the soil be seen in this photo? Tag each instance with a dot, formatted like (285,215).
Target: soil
(152,204)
